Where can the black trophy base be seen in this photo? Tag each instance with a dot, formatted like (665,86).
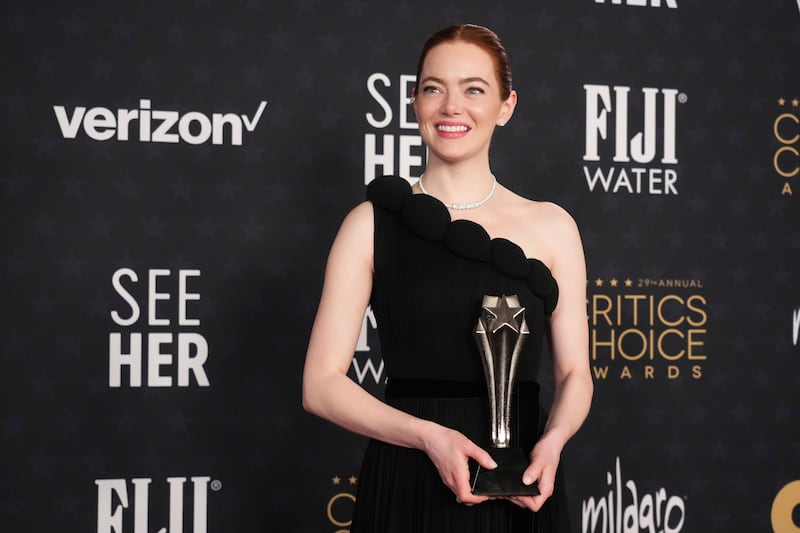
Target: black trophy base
(506,479)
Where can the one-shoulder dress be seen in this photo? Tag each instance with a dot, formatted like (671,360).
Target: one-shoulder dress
(430,275)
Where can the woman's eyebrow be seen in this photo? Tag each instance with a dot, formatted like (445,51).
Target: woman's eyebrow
(462,81)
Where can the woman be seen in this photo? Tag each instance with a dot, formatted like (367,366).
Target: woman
(424,257)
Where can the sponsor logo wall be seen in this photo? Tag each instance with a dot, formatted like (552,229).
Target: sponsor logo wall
(173,179)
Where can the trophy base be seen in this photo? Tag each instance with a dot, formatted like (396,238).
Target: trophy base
(506,479)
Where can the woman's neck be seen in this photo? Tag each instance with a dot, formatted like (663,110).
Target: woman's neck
(456,183)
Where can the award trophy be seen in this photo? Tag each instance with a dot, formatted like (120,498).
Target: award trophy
(500,333)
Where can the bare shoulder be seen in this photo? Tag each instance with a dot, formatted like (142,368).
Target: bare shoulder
(353,242)
(554,217)
(538,211)
(561,240)
(362,212)
(543,229)
(548,220)
(359,219)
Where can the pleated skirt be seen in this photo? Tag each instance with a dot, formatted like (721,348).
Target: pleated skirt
(400,491)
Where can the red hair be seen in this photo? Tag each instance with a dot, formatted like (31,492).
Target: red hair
(480,36)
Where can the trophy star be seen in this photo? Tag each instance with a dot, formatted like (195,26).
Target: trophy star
(505,315)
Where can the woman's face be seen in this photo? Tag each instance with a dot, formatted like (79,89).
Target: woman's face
(458,102)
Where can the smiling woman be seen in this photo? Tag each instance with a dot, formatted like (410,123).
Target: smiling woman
(424,258)
(459,97)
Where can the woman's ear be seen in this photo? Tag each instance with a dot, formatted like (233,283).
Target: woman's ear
(507,109)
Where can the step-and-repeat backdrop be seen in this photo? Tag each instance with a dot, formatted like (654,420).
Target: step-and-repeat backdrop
(173,174)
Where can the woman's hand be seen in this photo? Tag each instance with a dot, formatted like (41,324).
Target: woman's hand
(545,457)
(450,451)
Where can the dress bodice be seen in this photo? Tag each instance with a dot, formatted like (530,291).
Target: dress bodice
(431,274)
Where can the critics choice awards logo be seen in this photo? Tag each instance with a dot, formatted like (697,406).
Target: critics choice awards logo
(627,152)
(171,355)
(124,505)
(786,129)
(146,124)
(647,328)
(339,508)
(392,144)
(627,509)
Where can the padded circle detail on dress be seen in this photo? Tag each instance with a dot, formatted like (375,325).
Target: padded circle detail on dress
(542,283)
(539,277)
(468,239)
(509,258)
(426,216)
(429,219)
(389,192)
(551,300)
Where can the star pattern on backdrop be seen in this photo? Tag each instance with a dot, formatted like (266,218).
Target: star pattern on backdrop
(256,219)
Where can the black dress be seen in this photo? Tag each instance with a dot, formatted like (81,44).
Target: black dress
(430,277)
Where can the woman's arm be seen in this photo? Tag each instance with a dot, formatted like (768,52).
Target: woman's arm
(570,351)
(327,390)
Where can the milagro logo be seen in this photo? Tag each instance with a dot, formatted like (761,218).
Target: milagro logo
(117,512)
(400,154)
(626,509)
(672,4)
(642,164)
(156,125)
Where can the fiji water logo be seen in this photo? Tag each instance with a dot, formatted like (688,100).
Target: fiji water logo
(643,161)
(626,510)
(146,124)
(119,511)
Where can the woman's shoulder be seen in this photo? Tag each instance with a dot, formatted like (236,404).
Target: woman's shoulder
(359,217)
(543,213)
(554,214)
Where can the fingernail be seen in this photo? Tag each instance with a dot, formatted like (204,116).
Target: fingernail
(527,480)
(494,464)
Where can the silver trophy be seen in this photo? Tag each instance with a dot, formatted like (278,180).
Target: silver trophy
(500,334)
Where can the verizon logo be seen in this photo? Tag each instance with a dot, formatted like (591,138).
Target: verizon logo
(145,124)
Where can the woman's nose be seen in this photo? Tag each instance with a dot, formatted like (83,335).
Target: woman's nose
(451,103)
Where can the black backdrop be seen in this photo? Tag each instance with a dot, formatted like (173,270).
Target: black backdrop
(174,173)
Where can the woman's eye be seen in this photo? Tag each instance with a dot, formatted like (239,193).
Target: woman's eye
(431,89)
(475,90)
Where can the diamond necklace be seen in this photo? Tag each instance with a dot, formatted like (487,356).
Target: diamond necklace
(464,205)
